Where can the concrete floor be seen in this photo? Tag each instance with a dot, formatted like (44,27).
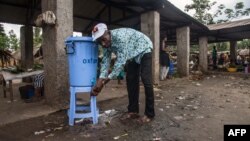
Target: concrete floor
(187,109)
(19,110)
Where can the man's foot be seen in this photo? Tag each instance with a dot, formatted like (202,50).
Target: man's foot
(144,119)
(129,115)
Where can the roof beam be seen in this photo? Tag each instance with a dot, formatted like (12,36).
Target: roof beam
(93,19)
(13,4)
(129,17)
(163,18)
(87,18)
(117,5)
(19,5)
(96,17)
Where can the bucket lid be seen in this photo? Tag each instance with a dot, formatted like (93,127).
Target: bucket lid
(77,39)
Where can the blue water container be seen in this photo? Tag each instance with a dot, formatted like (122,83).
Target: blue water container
(171,68)
(82,57)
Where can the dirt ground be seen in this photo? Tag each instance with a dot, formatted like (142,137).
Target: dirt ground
(186,110)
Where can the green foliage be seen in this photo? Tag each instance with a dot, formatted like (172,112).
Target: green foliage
(4,42)
(3,39)
(243,44)
(37,36)
(230,14)
(5,56)
(194,48)
(224,46)
(201,8)
(1,29)
(8,42)
(14,43)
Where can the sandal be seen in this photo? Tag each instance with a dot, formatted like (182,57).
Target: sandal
(144,119)
(129,115)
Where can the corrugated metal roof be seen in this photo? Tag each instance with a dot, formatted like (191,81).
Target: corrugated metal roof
(230,31)
(126,13)
(115,13)
(232,24)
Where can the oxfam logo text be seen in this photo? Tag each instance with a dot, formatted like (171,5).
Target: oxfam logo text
(89,61)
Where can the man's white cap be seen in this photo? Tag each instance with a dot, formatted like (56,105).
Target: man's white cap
(98,30)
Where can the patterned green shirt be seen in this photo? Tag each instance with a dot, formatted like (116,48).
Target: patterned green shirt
(126,44)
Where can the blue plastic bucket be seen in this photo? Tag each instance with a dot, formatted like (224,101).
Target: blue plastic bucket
(171,68)
(82,58)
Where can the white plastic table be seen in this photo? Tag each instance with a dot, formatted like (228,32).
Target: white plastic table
(8,77)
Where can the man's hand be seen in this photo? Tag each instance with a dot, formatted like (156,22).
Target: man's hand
(94,92)
(99,85)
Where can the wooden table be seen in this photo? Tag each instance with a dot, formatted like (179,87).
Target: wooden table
(8,77)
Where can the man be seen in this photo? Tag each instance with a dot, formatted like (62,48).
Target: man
(214,57)
(132,48)
(164,60)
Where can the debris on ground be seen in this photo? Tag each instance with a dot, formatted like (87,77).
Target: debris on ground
(87,135)
(50,135)
(161,109)
(178,117)
(231,77)
(118,137)
(39,132)
(196,75)
(107,116)
(200,117)
(58,128)
(181,97)
(157,89)
(156,139)
(227,85)
(198,84)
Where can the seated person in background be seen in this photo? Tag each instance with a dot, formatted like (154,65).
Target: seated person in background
(226,57)
(239,59)
(38,85)
(221,61)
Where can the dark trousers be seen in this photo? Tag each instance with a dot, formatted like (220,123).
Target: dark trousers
(215,63)
(144,70)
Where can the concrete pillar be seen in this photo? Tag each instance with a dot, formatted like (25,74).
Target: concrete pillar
(183,49)
(55,59)
(26,44)
(233,51)
(152,29)
(203,54)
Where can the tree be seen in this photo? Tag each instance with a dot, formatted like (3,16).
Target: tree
(37,39)
(1,29)
(243,44)
(201,8)
(3,39)
(13,41)
(231,14)
(5,54)
(223,46)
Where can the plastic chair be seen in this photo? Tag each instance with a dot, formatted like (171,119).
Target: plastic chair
(73,112)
